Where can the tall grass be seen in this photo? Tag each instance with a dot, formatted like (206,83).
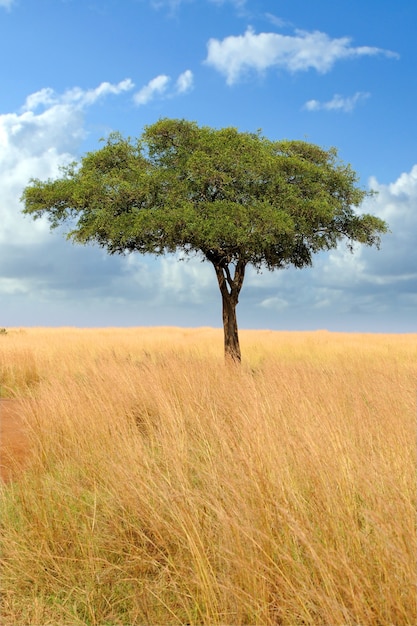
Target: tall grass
(166,487)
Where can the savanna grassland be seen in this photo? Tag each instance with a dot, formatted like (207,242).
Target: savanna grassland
(167,487)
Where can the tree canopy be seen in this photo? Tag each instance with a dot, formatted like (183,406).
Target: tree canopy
(234,198)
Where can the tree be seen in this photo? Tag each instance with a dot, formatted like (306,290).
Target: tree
(234,198)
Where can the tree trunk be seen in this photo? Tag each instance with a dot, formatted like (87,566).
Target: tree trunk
(230,287)
(231,335)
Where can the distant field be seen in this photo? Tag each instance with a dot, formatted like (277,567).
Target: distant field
(166,487)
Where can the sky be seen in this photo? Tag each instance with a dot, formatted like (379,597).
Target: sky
(332,72)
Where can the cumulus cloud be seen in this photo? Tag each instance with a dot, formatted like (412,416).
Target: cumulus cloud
(337,103)
(397,204)
(34,142)
(43,277)
(235,55)
(386,278)
(159,87)
(44,135)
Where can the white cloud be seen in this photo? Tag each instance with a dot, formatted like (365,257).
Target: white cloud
(184,82)
(41,275)
(394,267)
(156,86)
(35,142)
(76,96)
(397,204)
(337,103)
(33,146)
(90,96)
(235,55)
(43,97)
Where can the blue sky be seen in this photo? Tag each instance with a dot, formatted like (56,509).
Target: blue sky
(332,72)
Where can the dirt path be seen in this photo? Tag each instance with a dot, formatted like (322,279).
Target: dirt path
(14,446)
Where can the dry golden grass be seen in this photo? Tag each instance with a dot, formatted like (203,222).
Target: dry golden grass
(169,488)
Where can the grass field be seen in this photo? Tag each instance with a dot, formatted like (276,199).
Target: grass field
(166,487)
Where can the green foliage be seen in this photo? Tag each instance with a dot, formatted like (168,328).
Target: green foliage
(220,193)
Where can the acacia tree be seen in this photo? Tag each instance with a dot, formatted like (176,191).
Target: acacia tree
(236,199)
